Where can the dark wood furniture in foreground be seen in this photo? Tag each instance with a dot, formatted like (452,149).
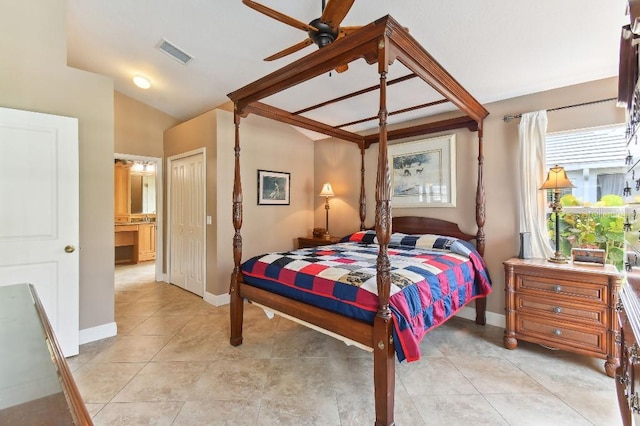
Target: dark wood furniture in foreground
(381,44)
(36,385)
(628,372)
(304,242)
(566,306)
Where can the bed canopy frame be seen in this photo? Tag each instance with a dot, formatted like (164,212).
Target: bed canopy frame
(381,42)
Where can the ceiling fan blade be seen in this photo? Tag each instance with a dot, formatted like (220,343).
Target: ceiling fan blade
(335,11)
(290,50)
(279,16)
(350,29)
(347,30)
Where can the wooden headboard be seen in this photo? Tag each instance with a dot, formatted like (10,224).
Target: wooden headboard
(427,225)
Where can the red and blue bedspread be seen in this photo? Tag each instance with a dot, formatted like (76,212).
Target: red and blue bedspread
(432,277)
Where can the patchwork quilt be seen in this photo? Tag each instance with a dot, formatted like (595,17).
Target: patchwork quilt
(432,277)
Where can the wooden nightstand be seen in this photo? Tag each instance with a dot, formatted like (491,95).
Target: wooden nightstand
(565,306)
(304,242)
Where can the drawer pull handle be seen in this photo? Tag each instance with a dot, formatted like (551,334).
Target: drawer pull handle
(633,353)
(557,332)
(635,402)
(557,288)
(557,310)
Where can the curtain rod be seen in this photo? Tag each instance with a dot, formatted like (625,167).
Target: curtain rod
(508,118)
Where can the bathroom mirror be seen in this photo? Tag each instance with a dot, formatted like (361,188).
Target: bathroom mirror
(143,193)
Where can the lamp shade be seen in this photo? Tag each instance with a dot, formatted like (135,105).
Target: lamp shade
(557,179)
(327,191)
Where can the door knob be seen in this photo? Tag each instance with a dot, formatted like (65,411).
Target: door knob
(69,249)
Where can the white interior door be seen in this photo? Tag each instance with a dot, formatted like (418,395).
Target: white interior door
(39,214)
(187,223)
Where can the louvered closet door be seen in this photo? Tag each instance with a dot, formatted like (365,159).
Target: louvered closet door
(187,223)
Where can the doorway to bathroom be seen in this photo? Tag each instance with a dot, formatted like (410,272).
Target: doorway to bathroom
(138,215)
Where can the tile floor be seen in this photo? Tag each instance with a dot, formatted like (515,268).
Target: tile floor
(171,364)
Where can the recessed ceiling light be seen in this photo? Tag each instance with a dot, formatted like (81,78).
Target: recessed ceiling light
(141,82)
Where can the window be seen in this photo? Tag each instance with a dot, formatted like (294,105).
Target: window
(593,213)
(593,158)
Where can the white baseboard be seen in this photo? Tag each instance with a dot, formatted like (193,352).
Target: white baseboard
(92,334)
(216,299)
(469,313)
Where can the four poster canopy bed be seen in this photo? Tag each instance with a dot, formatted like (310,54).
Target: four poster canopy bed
(381,288)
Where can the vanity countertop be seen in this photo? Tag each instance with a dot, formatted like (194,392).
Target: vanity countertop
(135,222)
(131,224)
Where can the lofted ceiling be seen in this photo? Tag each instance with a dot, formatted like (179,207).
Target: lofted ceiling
(497,49)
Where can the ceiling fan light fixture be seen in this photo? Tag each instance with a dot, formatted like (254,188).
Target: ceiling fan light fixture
(141,81)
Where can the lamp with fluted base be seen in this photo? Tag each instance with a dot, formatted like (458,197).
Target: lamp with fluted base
(327,191)
(557,179)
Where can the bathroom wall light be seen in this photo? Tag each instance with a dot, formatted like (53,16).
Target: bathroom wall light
(141,82)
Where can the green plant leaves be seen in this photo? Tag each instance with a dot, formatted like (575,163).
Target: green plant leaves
(591,230)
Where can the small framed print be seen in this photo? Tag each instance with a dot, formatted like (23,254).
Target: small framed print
(274,188)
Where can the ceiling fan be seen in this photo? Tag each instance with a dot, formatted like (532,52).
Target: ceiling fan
(322,31)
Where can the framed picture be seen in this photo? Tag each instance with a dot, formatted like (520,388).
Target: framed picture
(423,172)
(273,188)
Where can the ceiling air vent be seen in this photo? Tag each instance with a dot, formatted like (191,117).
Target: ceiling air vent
(175,52)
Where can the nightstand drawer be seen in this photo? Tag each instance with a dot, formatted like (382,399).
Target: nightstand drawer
(554,309)
(555,288)
(562,335)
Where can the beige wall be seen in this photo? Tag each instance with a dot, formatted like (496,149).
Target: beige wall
(139,128)
(199,132)
(338,162)
(265,144)
(34,77)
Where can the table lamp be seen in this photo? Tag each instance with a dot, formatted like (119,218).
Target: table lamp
(557,179)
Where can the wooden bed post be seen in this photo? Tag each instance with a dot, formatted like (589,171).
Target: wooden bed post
(481,303)
(363,199)
(383,350)
(236,302)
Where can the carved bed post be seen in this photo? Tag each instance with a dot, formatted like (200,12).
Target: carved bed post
(363,199)
(237,307)
(481,303)
(383,351)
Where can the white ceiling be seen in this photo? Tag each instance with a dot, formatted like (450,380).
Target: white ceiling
(497,49)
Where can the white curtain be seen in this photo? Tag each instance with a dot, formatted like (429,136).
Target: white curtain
(532,130)
(611,184)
